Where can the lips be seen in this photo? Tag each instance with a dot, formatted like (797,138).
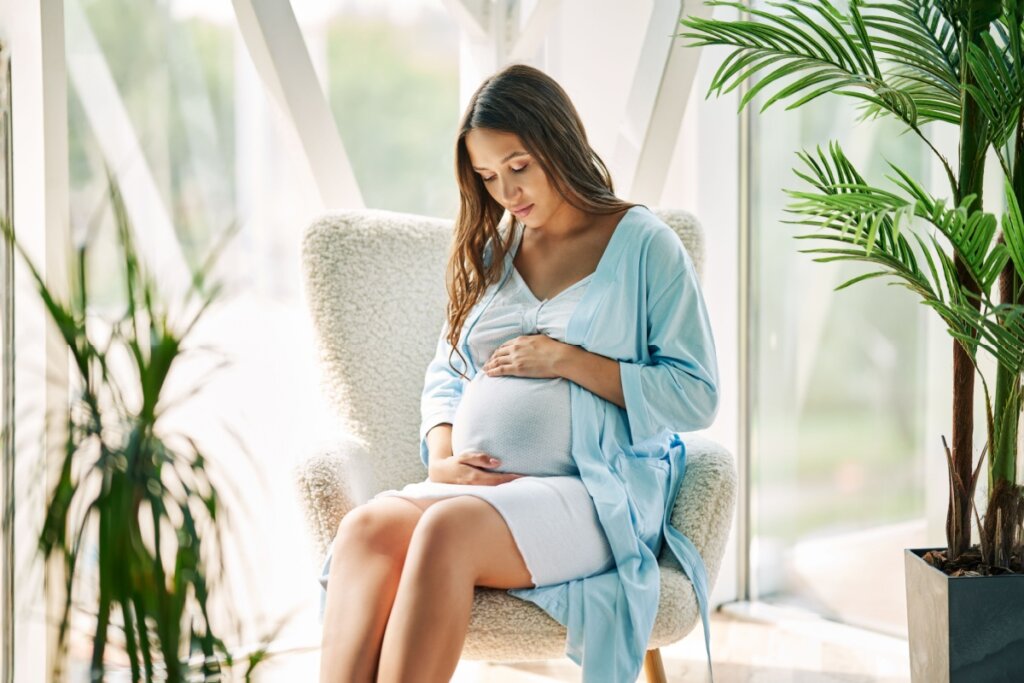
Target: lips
(523,211)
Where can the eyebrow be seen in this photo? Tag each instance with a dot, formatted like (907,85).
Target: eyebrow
(507,157)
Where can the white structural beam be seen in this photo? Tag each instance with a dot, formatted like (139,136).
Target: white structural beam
(481,45)
(472,16)
(56,240)
(33,35)
(529,38)
(274,40)
(110,124)
(493,35)
(657,100)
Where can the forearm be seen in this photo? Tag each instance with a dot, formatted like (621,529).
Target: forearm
(594,372)
(439,442)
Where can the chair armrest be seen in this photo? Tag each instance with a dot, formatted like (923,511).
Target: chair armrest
(325,492)
(704,508)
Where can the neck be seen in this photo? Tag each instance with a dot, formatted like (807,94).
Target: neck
(565,223)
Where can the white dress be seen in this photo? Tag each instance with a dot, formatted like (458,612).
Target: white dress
(525,423)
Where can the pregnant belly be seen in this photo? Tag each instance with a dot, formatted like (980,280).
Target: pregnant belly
(522,421)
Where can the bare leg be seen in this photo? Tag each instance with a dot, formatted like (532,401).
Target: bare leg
(369,551)
(459,543)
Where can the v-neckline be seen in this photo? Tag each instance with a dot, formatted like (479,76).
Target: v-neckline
(576,327)
(522,281)
(526,288)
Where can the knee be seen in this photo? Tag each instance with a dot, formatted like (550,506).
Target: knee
(366,529)
(441,533)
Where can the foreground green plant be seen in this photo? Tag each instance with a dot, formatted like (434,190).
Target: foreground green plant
(143,497)
(951,62)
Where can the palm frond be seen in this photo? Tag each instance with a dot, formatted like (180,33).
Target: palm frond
(999,90)
(971,233)
(792,38)
(837,52)
(144,504)
(844,202)
(838,49)
(1001,333)
(865,222)
(971,16)
(920,47)
(1013,229)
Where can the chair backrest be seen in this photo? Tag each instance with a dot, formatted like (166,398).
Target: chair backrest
(374,283)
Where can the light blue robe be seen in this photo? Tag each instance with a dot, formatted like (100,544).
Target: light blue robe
(644,308)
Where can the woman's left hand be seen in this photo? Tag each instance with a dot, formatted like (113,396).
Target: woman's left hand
(535,355)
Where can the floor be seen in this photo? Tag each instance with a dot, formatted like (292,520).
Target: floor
(746,648)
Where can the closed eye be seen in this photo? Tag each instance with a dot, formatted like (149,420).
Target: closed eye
(514,170)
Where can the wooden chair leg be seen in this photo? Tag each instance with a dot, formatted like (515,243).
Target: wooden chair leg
(653,667)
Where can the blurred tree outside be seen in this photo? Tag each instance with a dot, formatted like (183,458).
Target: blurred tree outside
(845,451)
(394,91)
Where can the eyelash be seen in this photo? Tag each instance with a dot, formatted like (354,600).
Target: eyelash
(514,170)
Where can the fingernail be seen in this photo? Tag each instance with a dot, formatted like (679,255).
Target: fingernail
(493,461)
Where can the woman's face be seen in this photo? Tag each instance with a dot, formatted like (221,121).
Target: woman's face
(512,176)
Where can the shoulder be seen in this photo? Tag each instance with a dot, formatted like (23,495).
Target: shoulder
(658,246)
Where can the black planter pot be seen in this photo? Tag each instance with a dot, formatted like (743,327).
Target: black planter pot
(967,629)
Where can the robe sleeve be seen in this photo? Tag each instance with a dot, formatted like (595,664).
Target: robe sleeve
(442,386)
(677,388)
(442,391)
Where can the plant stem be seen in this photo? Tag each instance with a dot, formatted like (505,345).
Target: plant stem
(971,178)
(1003,463)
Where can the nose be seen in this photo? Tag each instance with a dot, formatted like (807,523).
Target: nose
(509,191)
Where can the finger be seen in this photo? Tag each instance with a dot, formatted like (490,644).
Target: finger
(478,459)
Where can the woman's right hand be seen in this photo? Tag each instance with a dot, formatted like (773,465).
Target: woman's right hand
(470,467)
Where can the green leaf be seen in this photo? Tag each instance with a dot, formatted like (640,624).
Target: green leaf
(861,278)
(1013,229)
(974,15)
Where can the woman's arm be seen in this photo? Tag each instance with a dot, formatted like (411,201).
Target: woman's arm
(594,372)
(442,391)
(677,387)
(439,442)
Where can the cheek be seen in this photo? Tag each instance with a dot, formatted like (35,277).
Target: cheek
(541,188)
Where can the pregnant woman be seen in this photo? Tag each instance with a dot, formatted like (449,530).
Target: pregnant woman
(576,347)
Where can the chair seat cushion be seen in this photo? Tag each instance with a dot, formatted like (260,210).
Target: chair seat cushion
(504,628)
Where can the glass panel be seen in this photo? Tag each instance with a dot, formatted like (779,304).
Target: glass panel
(839,428)
(164,94)
(152,98)
(391,74)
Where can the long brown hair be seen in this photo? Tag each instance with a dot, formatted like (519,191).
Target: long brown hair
(523,100)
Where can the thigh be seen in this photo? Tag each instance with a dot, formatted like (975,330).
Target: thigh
(556,526)
(381,525)
(469,532)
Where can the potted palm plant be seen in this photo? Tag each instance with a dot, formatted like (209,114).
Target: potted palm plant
(940,62)
(134,519)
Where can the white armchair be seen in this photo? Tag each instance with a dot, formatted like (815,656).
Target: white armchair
(374,282)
